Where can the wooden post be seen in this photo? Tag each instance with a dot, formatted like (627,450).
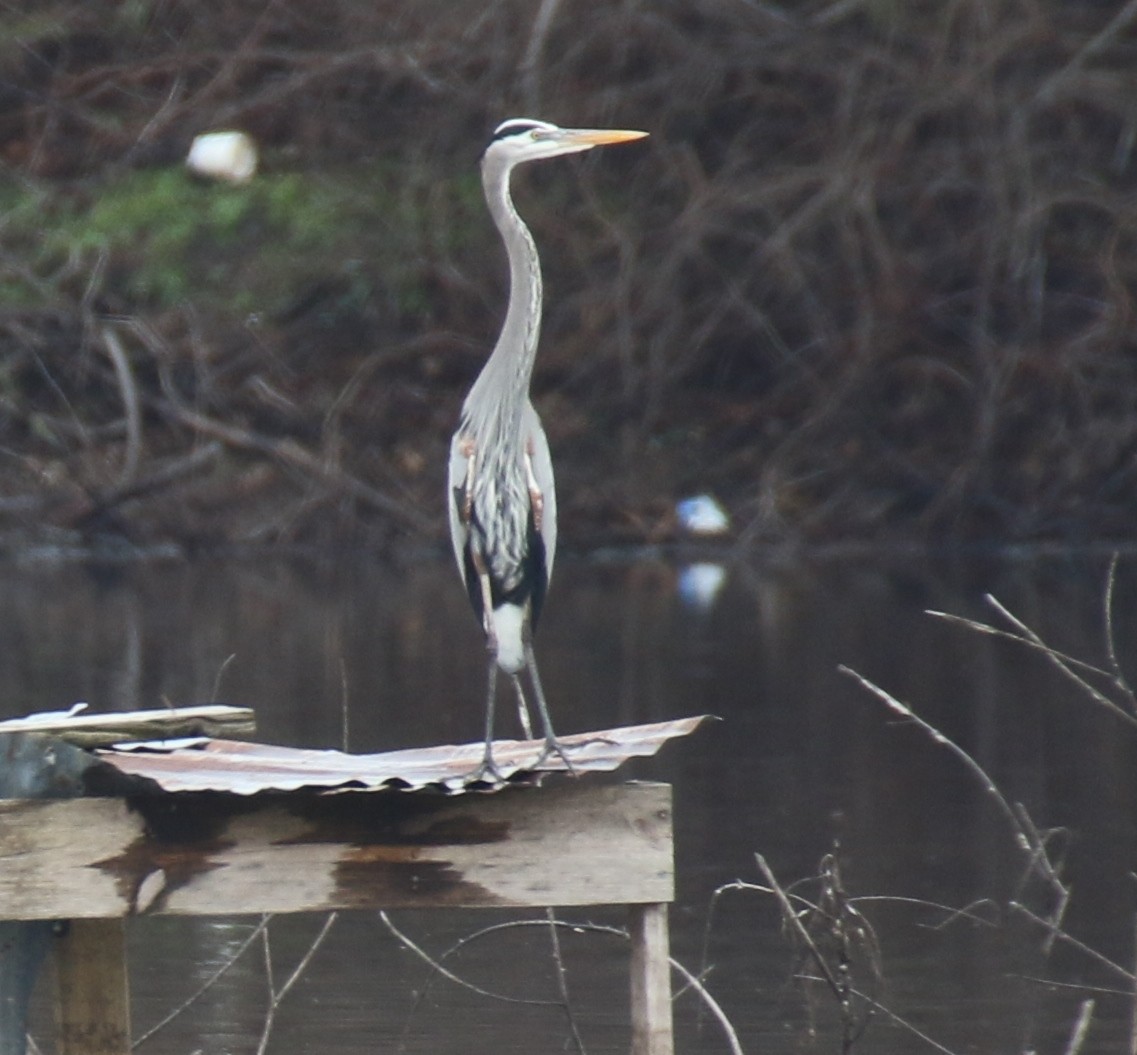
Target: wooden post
(92,998)
(34,768)
(651,981)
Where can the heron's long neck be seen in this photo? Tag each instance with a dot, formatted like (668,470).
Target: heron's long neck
(502,388)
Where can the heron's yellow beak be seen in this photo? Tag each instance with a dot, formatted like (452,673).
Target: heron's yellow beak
(598,137)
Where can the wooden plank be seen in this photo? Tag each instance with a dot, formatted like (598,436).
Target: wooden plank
(651,981)
(210,854)
(92,998)
(101,730)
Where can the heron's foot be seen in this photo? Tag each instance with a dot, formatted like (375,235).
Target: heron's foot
(553,746)
(486,772)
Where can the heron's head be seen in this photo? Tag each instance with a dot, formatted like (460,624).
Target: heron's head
(523,139)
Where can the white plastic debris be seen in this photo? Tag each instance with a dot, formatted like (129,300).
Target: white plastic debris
(702,515)
(699,584)
(227,156)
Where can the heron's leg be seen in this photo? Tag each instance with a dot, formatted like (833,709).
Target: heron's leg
(552,745)
(488,768)
(522,708)
(487,601)
(491,695)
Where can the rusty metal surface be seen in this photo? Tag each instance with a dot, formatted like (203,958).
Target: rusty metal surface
(202,764)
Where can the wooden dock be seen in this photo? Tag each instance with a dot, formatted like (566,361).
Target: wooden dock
(142,850)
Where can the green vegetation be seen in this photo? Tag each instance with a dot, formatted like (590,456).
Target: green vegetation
(169,238)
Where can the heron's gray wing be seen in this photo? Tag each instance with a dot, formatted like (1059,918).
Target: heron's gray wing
(455,495)
(543,474)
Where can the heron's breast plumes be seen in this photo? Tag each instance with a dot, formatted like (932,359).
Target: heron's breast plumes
(499,524)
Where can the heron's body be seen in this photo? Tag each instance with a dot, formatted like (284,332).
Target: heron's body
(504,530)
(502,499)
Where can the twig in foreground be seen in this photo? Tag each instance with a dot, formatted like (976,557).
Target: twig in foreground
(1073,942)
(591,928)
(129,394)
(845,931)
(1030,844)
(1068,665)
(903,1023)
(562,980)
(1064,663)
(793,921)
(186,1004)
(437,965)
(277,995)
(907,713)
(1081,1028)
(1119,678)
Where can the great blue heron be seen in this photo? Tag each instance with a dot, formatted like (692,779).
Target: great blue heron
(503,508)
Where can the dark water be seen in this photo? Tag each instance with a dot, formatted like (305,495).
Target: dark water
(802,762)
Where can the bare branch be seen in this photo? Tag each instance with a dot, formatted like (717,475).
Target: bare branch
(186,1004)
(976,769)
(438,965)
(1074,943)
(289,452)
(1061,662)
(531,60)
(221,674)
(1081,1028)
(130,395)
(904,1023)
(1101,40)
(562,981)
(712,1005)
(1019,639)
(793,920)
(1026,837)
(1119,678)
(277,995)
(589,928)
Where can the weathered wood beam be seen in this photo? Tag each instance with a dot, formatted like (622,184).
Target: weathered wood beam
(100,730)
(212,854)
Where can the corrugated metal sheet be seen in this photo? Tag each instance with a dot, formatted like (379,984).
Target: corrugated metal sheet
(245,768)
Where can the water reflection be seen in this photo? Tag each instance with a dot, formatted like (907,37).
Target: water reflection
(373,657)
(700,584)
